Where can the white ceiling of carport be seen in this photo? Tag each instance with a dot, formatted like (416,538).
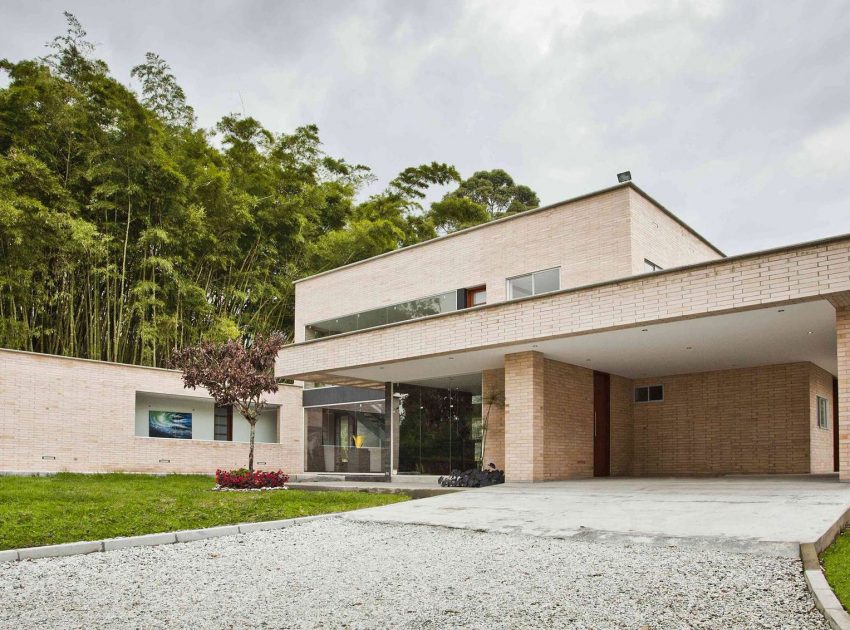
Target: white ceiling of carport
(795,332)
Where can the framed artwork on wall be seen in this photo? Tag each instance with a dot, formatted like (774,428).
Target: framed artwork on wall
(170,424)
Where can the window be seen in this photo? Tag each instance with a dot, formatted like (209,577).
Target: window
(223,427)
(476,296)
(403,311)
(823,413)
(534,283)
(651,266)
(650,393)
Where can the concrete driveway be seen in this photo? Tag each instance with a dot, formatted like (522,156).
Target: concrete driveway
(757,514)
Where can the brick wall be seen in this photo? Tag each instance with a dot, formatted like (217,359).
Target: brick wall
(665,242)
(493,408)
(820,384)
(622,426)
(83,414)
(524,419)
(595,238)
(814,271)
(568,421)
(754,420)
(842,330)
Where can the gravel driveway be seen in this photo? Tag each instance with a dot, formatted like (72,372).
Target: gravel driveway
(338,573)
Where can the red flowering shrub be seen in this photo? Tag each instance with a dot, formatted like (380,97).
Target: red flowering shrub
(243,479)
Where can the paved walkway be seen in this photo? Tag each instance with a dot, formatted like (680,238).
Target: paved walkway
(757,514)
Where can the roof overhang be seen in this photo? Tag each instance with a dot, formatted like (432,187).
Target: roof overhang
(727,311)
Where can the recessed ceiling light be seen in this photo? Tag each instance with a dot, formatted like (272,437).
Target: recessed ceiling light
(811,332)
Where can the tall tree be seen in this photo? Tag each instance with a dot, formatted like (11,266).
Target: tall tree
(497,192)
(127,231)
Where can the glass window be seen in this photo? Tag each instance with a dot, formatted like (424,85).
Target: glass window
(546,281)
(476,296)
(348,438)
(534,283)
(401,312)
(651,393)
(223,429)
(651,266)
(520,287)
(823,412)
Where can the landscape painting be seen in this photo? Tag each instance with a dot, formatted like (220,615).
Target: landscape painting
(170,424)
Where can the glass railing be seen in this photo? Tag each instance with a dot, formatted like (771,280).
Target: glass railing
(404,311)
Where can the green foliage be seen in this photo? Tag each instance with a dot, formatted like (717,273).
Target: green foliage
(497,192)
(66,507)
(127,232)
(836,567)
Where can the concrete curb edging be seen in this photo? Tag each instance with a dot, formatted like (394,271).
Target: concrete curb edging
(824,597)
(148,540)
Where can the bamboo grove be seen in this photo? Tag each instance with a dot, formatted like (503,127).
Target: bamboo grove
(127,231)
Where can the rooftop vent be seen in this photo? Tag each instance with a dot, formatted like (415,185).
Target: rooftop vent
(625,176)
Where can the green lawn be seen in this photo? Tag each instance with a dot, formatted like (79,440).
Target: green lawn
(836,567)
(68,507)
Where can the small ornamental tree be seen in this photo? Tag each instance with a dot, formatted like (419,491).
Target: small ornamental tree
(234,373)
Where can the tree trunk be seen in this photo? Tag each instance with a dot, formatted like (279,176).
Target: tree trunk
(253,423)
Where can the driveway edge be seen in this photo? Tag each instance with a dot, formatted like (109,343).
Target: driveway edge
(148,540)
(824,596)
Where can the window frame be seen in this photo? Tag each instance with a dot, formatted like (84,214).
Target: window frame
(822,403)
(229,431)
(472,292)
(648,389)
(651,267)
(532,274)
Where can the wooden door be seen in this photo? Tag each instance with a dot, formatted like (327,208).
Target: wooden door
(601,424)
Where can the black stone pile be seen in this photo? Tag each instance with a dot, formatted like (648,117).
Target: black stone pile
(473,478)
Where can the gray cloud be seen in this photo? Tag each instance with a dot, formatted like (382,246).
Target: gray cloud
(734,115)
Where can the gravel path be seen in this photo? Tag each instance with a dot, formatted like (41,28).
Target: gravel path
(339,573)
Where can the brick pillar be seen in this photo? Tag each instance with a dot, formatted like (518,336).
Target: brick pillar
(493,412)
(842,331)
(524,398)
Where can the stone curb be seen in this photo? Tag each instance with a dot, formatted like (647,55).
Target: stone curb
(824,597)
(147,540)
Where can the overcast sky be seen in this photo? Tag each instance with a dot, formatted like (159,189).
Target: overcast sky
(734,115)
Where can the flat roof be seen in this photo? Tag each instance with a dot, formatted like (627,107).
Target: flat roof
(519,215)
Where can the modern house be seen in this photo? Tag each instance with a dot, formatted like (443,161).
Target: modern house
(596,336)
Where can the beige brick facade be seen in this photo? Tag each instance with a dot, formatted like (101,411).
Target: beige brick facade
(746,421)
(755,420)
(62,414)
(807,272)
(595,238)
(842,331)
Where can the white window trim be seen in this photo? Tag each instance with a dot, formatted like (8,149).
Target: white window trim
(825,425)
(509,289)
(647,388)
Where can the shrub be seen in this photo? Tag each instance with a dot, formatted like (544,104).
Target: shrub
(243,479)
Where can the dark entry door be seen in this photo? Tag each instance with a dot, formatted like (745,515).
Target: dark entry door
(601,424)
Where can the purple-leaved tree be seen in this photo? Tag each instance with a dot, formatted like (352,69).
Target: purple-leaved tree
(234,373)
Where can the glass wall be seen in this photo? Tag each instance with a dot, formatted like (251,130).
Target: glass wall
(432,305)
(439,429)
(348,438)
